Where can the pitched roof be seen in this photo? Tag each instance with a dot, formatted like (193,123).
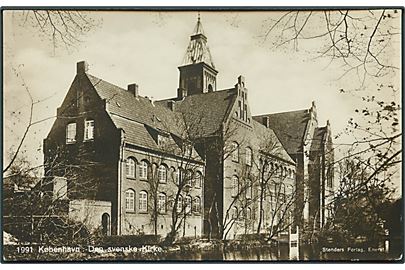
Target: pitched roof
(139,109)
(135,114)
(289,127)
(204,113)
(276,149)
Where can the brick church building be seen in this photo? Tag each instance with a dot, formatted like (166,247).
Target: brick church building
(197,165)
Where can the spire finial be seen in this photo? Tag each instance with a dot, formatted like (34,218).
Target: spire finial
(199,18)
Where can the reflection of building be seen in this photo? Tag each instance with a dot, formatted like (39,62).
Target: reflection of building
(115,147)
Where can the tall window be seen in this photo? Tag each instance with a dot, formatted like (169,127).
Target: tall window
(162,173)
(248,213)
(179,175)
(189,177)
(130,200)
(88,130)
(175,175)
(162,203)
(235,186)
(179,204)
(71,133)
(143,170)
(188,204)
(143,201)
(248,156)
(248,188)
(235,151)
(130,167)
(235,212)
(198,180)
(197,205)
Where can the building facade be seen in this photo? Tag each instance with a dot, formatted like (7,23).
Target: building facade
(197,165)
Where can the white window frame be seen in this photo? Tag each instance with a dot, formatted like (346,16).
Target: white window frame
(162,173)
(179,204)
(197,204)
(188,204)
(162,203)
(143,201)
(130,200)
(88,129)
(71,133)
(143,170)
(130,167)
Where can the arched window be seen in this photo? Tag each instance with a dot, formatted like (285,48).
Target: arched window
(179,176)
(88,129)
(198,179)
(143,170)
(248,156)
(71,133)
(143,201)
(162,173)
(162,203)
(235,186)
(189,177)
(248,189)
(235,212)
(235,152)
(130,200)
(289,173)
(188,205)
(248,213)
(130,167)
(180,204)
(197,205)
(106,224)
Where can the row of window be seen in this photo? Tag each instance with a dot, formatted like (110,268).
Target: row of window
(193,179)
(88,131)
(237,215)
(235,154)
(237,189)
(189,203)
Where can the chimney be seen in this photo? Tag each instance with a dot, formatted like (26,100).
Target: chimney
(265,121)
(134,89)
(82,67)
(171,104)
(181,93)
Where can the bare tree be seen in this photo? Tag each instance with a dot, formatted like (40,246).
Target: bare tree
(61,27)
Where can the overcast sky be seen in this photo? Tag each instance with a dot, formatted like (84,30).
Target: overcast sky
(147,47)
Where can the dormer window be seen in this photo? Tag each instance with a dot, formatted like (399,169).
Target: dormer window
(71,133)
(162,139)
(88,130)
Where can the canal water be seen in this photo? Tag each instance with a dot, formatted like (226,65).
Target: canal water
(307,253)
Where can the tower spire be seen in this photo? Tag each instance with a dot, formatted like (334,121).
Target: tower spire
(197,72)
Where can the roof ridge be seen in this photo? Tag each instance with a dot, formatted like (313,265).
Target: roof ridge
(295,111)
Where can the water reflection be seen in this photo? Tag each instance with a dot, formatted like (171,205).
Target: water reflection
(281,253)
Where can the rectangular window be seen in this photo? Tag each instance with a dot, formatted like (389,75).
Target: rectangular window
(88,130)
(71,133)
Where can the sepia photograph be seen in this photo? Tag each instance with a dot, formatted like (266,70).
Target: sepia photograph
(202,134)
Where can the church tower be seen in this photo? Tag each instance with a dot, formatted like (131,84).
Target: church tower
(197,72)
